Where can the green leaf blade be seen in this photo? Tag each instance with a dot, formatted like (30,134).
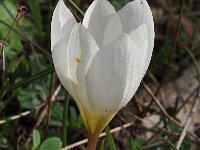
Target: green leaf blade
(36,138)
(53,143)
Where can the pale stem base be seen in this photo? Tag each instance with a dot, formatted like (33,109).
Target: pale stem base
(92,141)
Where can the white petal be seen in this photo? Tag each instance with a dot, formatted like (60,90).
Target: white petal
(61,27)
(81,50)
(56,33)
(99,20)
(62,23)
(67,21)
(113,29)
(135,14)
(59,55)
(99,9)
(109,73)
(148,19)
(140,37)
(64,14)
(131,15)
(135,74)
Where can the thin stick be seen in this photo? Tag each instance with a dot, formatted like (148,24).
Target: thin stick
(157,102)
(82,13)
(49,102)
(42,114)
(23,114)
(194,105)
(20,12)
(187,99)
(170,55)
(75,15)
(26,113)
(188,121)
(28,40)
(152,146)
(23,32)
(164,111)
(127,125)
(173,46)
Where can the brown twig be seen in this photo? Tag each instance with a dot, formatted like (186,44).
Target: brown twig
(189,119)
(28,40)
(20,12)
(26,113)
(75,15)
(170,55)
(127,125)
(45,109)
(153,145)
(185,102)
(194,105)
(24,34)
(164,111)
(82,13)
(23,114)
(157,102)
(77,8)
(42,114)
(187,99)
(49,102)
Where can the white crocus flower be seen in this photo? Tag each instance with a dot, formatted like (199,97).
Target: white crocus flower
(102,61)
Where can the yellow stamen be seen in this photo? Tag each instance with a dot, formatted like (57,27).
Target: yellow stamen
(75,83)
(77,59)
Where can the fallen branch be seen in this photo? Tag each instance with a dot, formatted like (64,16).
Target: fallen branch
(127,125)
(164,111)
(26,113)
(188,121)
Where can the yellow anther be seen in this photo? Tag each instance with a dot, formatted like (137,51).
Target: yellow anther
(77,59)
(75,83)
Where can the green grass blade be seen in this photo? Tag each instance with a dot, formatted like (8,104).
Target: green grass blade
(35,11)
(169,143)
(110,138)
(28,80)
(65,117)
(102,145)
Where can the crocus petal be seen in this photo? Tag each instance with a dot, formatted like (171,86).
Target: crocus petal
(81,50)
(107,76)
(62,23)
(140,37)
(64,14)
(102,63)
(59,55)
(135,14)
(132,15)
(148,19)
(58,43)
(135,74)
(113,29)
(111,81)
(56,33)
(99,9)
(99,20)
(67,21)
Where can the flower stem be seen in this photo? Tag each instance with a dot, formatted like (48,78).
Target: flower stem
(92,141)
